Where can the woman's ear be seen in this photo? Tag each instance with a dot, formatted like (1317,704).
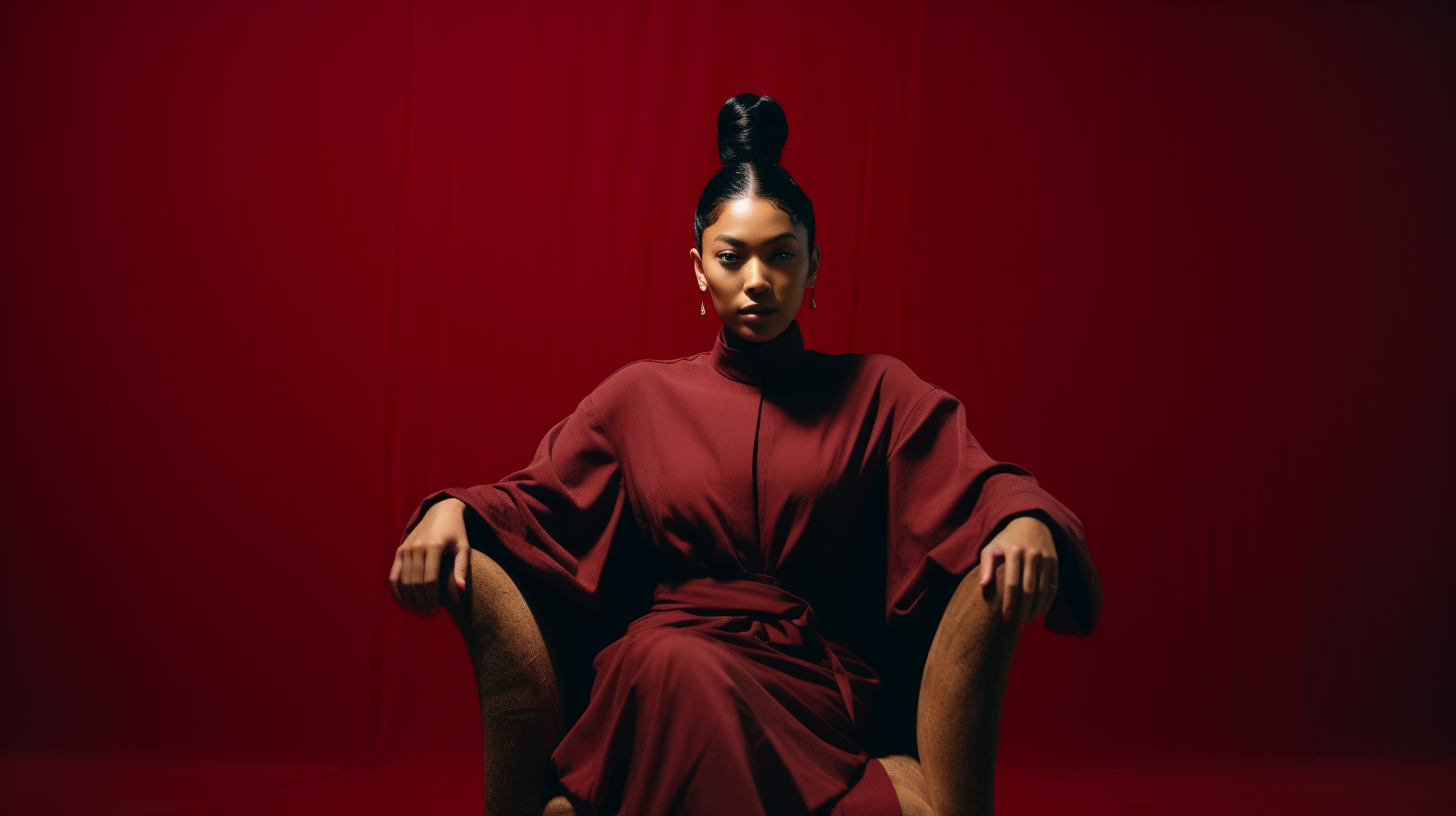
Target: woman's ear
(813,266)
(698,268)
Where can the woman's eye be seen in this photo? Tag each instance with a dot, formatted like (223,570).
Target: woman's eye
(732,257)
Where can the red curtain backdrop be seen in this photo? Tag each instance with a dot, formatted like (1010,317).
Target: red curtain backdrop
(274,272)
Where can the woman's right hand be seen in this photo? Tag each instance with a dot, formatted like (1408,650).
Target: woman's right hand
(415,577)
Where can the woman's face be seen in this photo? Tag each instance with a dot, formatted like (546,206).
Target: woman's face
(755,257)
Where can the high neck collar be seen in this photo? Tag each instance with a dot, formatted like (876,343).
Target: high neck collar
(757,363)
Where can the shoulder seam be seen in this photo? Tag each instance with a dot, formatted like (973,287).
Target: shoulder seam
(591,405)
(895,441)
(663,360)
(894,444)
(601,427)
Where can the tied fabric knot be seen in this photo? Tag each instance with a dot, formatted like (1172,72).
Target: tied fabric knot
(754,603)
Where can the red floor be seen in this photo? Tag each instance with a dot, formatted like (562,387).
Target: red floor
(31,786)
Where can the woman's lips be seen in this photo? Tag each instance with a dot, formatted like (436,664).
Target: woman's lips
(757,313)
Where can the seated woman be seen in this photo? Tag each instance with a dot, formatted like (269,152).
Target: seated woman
(799,511)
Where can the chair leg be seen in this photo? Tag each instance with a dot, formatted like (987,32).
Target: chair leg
(959,718)
(520,700)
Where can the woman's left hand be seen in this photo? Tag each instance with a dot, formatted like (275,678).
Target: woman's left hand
(1030,554)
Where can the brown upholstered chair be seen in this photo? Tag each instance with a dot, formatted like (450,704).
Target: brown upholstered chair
(533,664)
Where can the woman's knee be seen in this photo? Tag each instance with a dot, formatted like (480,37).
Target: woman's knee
(687,661)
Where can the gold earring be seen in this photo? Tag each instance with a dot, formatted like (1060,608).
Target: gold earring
(812,304)
(702,307)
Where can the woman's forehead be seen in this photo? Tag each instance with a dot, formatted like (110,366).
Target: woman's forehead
(752,221)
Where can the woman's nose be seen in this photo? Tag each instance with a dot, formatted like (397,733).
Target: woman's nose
(754,279)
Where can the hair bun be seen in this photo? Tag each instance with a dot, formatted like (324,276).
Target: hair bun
(751,128)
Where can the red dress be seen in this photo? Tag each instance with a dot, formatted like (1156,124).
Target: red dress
(795,503)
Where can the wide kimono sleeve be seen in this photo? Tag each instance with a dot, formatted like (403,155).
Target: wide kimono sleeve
(556,519)
(948,498)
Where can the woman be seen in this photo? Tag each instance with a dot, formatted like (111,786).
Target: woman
(798,504)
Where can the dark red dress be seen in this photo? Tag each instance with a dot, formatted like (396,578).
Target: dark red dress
(793,500)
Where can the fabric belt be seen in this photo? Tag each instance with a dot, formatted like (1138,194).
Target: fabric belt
(755,603)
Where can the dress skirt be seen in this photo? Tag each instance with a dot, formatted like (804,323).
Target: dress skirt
(724,699)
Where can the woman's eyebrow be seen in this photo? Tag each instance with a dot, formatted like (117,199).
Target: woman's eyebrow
(728,239)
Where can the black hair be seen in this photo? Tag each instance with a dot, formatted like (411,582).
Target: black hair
(752,130)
